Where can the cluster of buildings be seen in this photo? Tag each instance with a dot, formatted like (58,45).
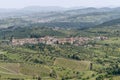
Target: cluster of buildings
(50,40)
(101,38)
(53,40)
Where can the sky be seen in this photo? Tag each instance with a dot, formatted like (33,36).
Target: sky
(61,3)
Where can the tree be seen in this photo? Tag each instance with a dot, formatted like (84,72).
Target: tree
(39,78)
(91,66)
(100,77)
(53,74)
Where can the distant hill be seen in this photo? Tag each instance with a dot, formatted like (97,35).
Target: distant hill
(43,9)
(57,16)
(108,28)
(111,22)
(2,10)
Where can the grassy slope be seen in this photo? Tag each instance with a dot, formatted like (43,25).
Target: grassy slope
(16,70)
(72,64)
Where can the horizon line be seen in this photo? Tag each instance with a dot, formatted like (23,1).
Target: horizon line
(82,7)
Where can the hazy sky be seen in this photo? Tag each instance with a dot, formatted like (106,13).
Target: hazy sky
(63,3)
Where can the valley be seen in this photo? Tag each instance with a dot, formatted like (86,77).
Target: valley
(75,44)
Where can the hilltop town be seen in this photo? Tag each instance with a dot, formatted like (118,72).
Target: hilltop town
(53,40)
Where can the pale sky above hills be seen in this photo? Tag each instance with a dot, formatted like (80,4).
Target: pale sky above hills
(61,3)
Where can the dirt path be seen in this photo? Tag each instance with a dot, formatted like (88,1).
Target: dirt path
(12,72)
